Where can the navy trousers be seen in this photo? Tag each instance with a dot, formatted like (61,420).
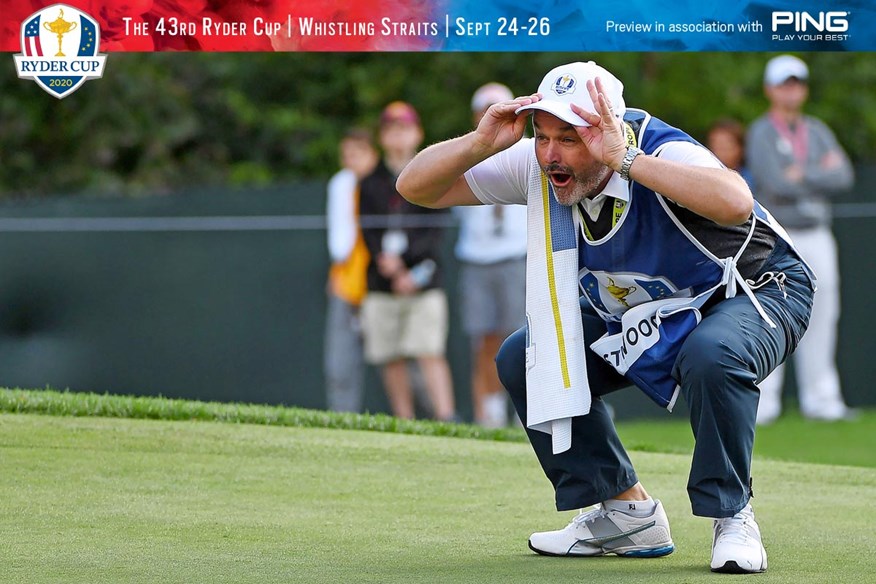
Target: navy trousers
(718,368)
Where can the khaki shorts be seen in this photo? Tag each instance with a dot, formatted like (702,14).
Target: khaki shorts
(398,327)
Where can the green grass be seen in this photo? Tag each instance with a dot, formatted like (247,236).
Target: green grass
(94,500)
(289,495)
(791,438)
(65,403)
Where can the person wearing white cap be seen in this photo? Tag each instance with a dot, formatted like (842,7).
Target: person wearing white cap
(688,287)
(491,249)
(797,165)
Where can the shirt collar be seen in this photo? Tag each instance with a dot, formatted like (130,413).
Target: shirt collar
(616,187)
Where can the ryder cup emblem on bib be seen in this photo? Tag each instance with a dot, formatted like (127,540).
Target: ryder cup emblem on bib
(59,49)
(612,294)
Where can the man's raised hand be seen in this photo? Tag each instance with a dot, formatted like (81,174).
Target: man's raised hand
(501,128)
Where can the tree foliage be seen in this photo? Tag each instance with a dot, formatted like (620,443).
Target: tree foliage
(162,121)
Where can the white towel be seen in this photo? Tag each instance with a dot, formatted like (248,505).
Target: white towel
(556,372)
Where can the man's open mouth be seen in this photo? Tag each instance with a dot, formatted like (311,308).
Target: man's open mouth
(560,179)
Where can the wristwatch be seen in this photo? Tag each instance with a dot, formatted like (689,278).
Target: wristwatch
(627,162)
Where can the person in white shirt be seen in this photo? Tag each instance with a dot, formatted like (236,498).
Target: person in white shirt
(343,362)
(649,263)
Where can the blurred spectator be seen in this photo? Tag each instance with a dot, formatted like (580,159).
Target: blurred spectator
(346,284)
(492,252)
(726,140)
(797,165)
(405,312)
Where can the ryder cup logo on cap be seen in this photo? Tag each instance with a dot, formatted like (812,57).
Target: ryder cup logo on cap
(59,49)
(558,91)
(564,84)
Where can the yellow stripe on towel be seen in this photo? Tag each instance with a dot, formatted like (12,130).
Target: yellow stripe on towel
(552,285)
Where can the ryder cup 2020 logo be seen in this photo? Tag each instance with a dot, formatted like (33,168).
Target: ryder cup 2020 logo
(59,49)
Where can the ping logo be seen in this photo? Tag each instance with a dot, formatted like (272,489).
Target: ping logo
(59,49)
(805,21)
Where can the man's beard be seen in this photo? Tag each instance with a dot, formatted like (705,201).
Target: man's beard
(582,185)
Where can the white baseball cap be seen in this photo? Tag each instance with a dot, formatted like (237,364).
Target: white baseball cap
(566,84)
(487,95)
(780,69)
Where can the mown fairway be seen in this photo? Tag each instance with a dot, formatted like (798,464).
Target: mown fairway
(114,500)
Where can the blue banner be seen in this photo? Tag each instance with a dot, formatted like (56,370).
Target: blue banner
(645,25)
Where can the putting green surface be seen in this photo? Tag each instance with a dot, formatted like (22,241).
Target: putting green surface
(117,500)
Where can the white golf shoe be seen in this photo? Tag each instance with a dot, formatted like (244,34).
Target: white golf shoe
(736,545)
(602,531)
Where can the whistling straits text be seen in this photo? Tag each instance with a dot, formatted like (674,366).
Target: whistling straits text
(308,26)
